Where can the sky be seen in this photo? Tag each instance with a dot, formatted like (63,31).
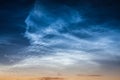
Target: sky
(67,37)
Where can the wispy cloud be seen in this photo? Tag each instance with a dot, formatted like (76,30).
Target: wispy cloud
(59,39)
(68,36)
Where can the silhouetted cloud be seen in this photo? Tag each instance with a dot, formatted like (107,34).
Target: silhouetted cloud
(89,75)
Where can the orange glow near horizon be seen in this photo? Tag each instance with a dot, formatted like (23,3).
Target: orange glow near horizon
(58,78)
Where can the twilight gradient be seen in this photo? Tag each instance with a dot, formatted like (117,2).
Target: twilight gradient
(48,37)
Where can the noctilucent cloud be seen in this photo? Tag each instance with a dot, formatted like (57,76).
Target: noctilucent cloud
(69,36)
